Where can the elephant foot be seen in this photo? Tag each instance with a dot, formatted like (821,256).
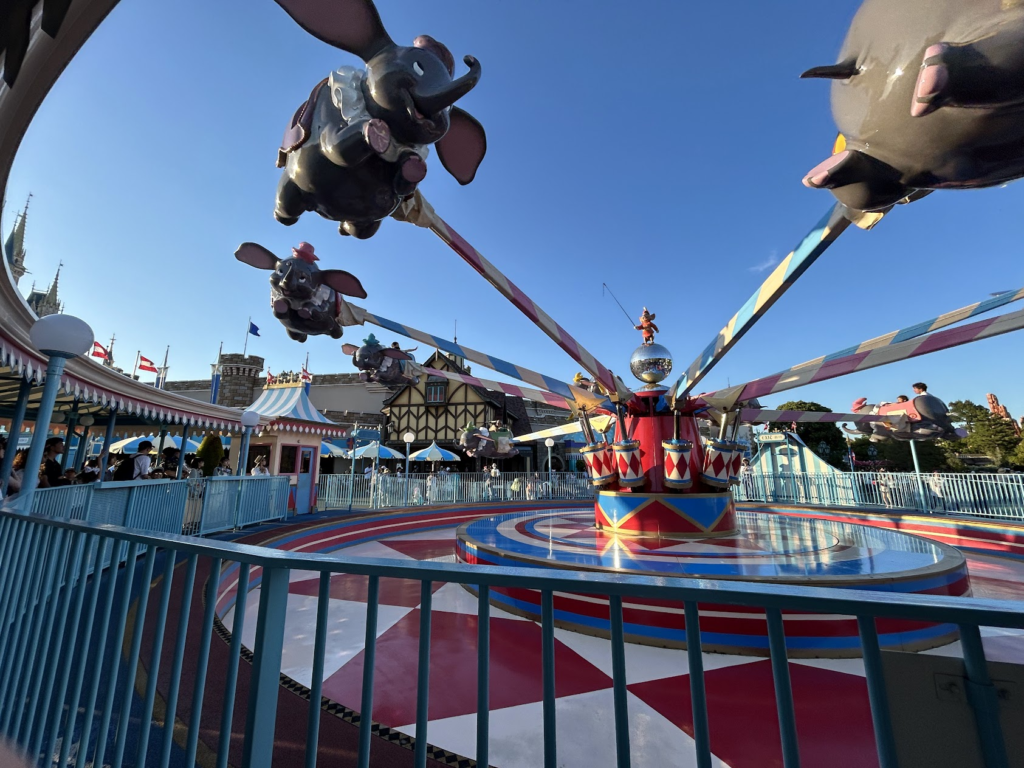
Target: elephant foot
(281,308)
(932,81)
(858,180)
(377,135)
(821,175)
(299,337)
(286,220)
(361,230)
(336,332)
(413,169)
(304,313)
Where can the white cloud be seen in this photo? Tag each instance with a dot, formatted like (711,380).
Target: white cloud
(767,264)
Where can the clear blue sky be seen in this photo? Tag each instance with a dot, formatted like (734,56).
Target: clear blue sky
(654,146)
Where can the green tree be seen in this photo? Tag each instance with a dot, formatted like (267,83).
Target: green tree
(895,454)
(987,433)
(211,451)
(826,440)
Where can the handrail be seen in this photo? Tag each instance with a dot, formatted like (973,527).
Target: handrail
(937,608)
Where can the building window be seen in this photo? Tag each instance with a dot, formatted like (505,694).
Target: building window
(288,456)
(436,392)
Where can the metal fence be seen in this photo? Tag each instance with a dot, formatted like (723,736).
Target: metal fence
(193,506)
(396,490)
(983,495)
(70,648)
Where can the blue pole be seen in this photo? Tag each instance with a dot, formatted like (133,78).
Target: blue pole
(69,437)
(30,481)
(108,439)
(17,421)
(408,447)
(83,445)
(243,454)
(917,474)
(181,454)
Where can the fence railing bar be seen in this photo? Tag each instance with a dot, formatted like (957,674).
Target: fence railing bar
(877,695)
(146,718)
(101,650)
(483,675)
(547,628)
(983,698)
(423,676)
(783,689)
(698,693)
(234,654)
(179,655)
(369,656)
(51,661)
(316,685)
(620,699)
(45,602)
(78,583)
(121,625)
(83,661)
(202,664)
(13,642)
(124,716)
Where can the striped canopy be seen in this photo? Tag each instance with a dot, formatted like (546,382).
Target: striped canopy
(377,451)
(433,452)
(131,444)
(288,403)
(329,449)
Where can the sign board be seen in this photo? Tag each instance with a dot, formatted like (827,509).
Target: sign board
(365,434)
(772,437)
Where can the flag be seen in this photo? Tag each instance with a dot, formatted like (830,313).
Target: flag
(306,375)
(145,364)
(270,378)
(99,351)
(253,329)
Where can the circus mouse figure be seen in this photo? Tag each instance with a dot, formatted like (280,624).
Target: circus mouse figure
(306,299)
(647,326)
(358,146)
(927,94)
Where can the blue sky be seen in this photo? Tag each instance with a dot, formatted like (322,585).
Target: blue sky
(657,147)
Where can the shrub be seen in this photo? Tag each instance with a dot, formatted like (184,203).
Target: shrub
(211,451)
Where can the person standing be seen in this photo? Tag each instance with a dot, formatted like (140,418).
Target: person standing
(259,468)
(224,468)
(50,473)
(137,466)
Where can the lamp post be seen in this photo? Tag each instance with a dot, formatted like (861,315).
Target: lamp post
(250,419)
(62,337)
(550,444)
(410,438)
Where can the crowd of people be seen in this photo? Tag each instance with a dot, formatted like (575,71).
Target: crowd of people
(139,465)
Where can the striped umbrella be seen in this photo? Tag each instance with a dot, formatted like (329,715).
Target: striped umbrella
(377,451)
(434,452)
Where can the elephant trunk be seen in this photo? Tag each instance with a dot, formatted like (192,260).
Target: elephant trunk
(430,103)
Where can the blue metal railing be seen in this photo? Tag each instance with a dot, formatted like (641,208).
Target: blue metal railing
(54,620)
(982,495)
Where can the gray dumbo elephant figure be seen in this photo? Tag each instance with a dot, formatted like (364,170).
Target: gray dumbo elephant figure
(358,146)
(495,443)
(377,363)
(306,299)
(927,419)
(927,94)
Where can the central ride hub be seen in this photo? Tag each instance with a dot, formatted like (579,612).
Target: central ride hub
(657,478)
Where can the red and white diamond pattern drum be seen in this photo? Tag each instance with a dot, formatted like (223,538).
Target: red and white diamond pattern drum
(735,463)
(627,461)
(600,461)
(717,460)
(677,464)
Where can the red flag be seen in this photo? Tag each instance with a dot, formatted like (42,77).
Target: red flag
(306,375)
(145,364)
(270,378)
(99,351)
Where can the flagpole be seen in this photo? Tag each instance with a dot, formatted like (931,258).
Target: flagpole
(245,346)
(135,370)
(110,352)
(161,377)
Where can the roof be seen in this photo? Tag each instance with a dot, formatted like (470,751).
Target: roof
(289,403)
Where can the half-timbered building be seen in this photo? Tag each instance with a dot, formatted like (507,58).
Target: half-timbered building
(438,409)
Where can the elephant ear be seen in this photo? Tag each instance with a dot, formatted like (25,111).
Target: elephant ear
(396,354)
(462,149)
(349,349)
(343,282)
(351,25)
(256,255)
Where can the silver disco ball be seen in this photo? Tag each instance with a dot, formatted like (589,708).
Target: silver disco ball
(651,363)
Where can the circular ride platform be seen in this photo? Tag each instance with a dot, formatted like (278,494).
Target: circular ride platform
(768,548)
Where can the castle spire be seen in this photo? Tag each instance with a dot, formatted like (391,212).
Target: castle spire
(14,247)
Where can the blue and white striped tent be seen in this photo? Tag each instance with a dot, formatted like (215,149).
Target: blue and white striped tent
(793,456)
(290,404)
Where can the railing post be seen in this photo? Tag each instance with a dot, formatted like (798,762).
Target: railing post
(17,420)
(258,750)
(983,698)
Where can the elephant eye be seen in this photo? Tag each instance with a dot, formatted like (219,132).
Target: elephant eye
(302,278)
(417,69)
